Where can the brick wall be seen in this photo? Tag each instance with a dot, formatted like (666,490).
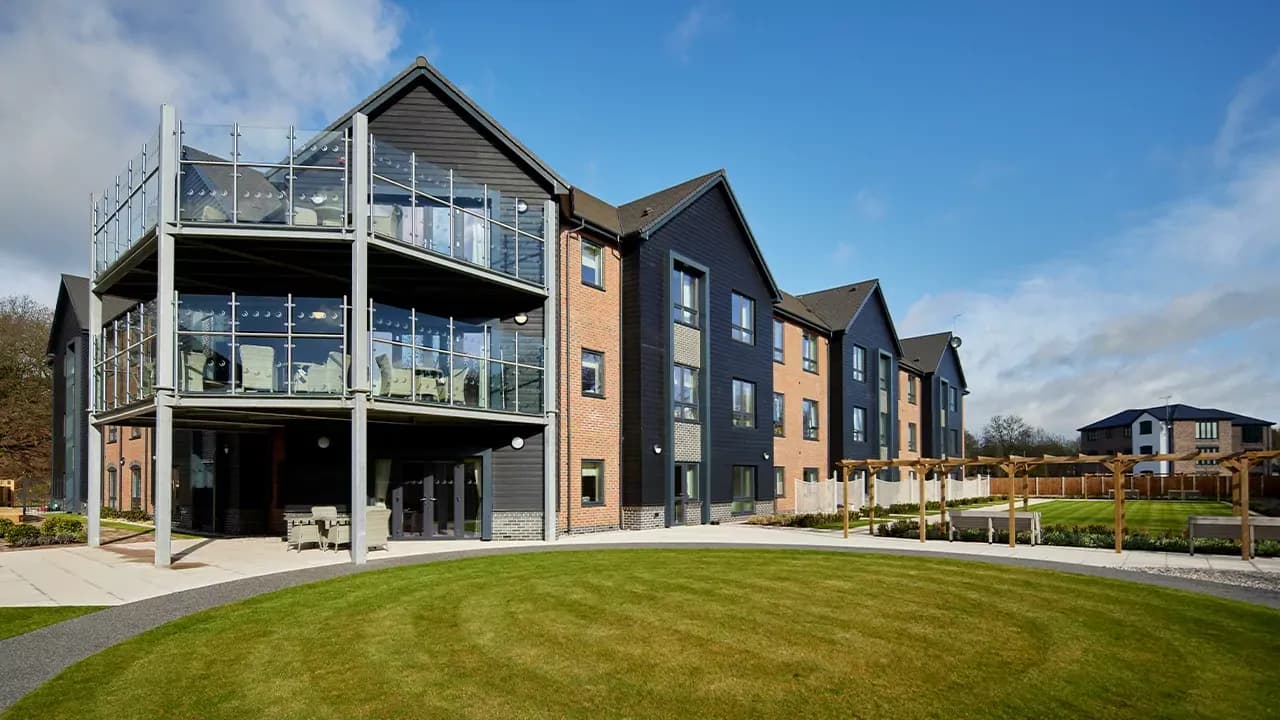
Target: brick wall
(1184,440)
(589,426)
(792,451)
(908,413)
(123,455)
(509,525)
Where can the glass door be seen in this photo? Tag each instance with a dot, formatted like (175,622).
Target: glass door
(442,501)
(471,496)
(685,493)
(408,501)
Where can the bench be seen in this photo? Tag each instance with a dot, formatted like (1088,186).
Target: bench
(1128,494)
(1184,494)
(992,520)
(1227,527)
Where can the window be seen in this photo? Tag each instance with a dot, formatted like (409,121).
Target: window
(810,408)
(135,432)
(1144,427)
(743,321)
(744,404)
(1145,450)
(779,334)
(859,363)
(911,389)
(779,482)
(779,415)
(113,488)
(1090,434)
(592,265)
(942,407)
(744,490)
(859,424)
(886,367)
(809,352)
(686,481)
(1251,434)
(1128,431)
(911,437)
(955,443)
(685,393)
(955,399)
(592,482)
(684,291)
(1207,449)
(135,487)
(113,434)
(884,429)
(1207,430)
(592,373)
(811,475)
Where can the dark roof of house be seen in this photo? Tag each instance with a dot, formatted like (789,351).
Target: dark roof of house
(794,308)
(1176,411)
(422,68)
(839,305)
(641,215)
(924,353)
(73,302)
(594,211)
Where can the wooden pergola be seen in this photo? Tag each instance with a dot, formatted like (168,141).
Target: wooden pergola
(1017,466)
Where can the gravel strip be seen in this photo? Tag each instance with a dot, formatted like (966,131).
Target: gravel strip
(1257,580)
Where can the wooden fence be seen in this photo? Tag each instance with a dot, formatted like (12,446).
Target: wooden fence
(1148,486)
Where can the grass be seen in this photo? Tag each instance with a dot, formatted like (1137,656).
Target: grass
(1149,515)
(682,633)
(19,620)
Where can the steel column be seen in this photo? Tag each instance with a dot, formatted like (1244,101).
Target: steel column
(360,349)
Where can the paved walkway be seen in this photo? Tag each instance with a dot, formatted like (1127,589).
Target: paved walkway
(213,573)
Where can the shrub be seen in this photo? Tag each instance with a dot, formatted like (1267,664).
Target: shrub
(61,525)
(22,535)
(804,520)
(5,524)
(130,515)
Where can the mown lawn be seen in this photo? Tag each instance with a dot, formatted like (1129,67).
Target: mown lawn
(692,633)
(1149,515)
(19,620)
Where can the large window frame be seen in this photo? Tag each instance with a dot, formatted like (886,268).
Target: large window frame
(744,490)
(742,318)
(911,389)
(597,267)
(685,391)
(911,437)
(593,362)
(811,418)
(597,467)
(859,423)
(779,481)
(809,352)
(1207,430)
(779,341)
(743,393)
(686,295)
(779,415)
(859,364)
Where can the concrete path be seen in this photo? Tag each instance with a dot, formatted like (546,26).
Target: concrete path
(123,573)
(210,570)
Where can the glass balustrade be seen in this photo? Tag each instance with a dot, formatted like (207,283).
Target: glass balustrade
(124,365)
(419,357)
(129,208)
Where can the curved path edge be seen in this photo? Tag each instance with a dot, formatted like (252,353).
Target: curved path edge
(29,660)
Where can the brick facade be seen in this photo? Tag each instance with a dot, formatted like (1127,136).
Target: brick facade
(791,451)
(508,525)
(909,414)
(590,426)
(1184,440)
(125,453)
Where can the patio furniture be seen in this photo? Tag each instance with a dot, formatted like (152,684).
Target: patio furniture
(458,386)
(327,377)
(1227,527)
(396,381)
(193,370)
(335,528)
(301,529)
(993,520)
(304,216)
(377,526)
(256,364)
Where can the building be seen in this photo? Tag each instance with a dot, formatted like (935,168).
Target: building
(801,392)
(936,360)
(1177,428)
(125,480)
(408,308)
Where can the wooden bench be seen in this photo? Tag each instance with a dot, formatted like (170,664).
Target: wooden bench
(1227,527)
(993,520)
(1128,494)
(1184,494)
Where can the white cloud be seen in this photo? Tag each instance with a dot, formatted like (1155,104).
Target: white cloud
(692,26)
(1186,303)
(85,82)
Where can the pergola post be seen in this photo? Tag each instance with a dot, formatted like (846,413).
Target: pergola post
(847,472)
(871,502)
(1011,470)
(923,499)
(1246,533)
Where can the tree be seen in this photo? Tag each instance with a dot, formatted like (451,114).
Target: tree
(1005,435)
(26,394)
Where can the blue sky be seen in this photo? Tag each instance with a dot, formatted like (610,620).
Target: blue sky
(1093,186)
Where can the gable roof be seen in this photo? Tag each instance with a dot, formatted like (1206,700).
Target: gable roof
(640,218)
(839,306)
(73,304)
(593,211)
(794,308)
(1176,411)
(925,353)
(421,69)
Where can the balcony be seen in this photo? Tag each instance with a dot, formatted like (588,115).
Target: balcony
(125,362)
(241,177)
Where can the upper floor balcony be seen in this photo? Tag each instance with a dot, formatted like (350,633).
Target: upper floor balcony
(240,178)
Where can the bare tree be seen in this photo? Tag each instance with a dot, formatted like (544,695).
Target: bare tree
(26,393)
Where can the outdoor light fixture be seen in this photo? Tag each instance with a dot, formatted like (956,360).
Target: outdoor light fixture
(521,318)
(657,449)
(522,206)
(517,442)
(765,455)
(323,442)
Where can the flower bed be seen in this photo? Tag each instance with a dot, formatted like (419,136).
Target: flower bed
(56,530)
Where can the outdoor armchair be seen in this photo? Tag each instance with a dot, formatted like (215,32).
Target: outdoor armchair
(257,363)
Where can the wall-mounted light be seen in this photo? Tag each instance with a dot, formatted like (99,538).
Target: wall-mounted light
(521,318)
(322,442)
(517,442)
(765,455)
(522,206)
(657,449)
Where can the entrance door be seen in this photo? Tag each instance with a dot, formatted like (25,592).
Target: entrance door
(408,502)
(685,493)
(443,501)
(438,499)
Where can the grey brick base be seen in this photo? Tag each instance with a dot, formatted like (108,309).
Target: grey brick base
(643,517)
(517,525)
(588,529)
